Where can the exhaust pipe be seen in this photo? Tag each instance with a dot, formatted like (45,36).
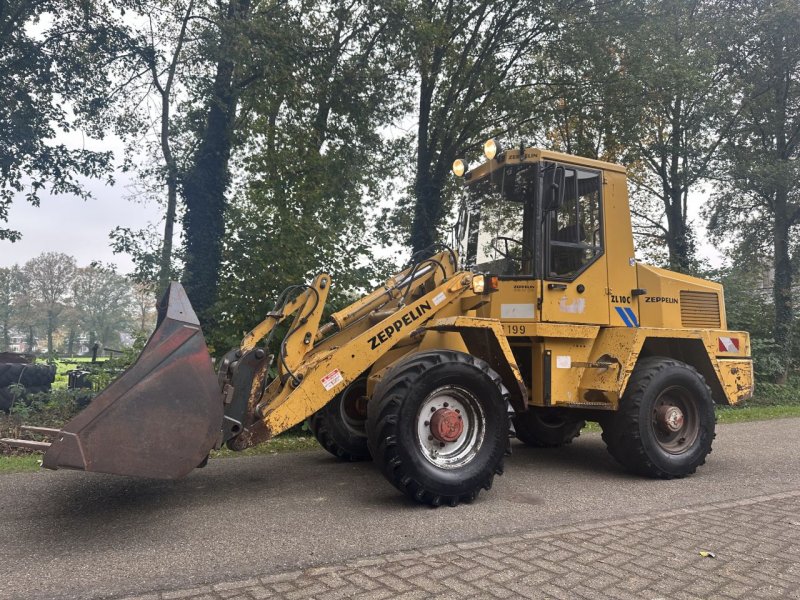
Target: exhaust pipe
(159,419)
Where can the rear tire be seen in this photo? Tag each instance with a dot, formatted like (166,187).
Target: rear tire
(665,424)
(455,396)
(546,428)
(29,375)
(340,425)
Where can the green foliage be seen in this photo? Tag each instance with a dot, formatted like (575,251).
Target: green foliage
(48,277)
(769,360)
(313,165)
(771,394)
(468,62)
(51,295)
(48,409)
(11,289)
(758,197)
(51,53)
(104,300)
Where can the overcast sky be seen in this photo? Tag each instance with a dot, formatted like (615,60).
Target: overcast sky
(76,227)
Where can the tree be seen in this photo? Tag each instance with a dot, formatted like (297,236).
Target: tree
(208,177)
(48,278)
(579,80)
(468,63)
(760,195)
(42,74)
(315,112)
(10,289)
(676,84)
(103,302)
(144,309)
(150,78)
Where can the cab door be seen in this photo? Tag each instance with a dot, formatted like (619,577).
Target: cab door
(574,275)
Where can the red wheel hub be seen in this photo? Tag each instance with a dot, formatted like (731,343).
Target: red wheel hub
(446,425)
(670,418)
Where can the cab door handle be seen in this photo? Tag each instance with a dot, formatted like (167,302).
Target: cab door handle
(556,286)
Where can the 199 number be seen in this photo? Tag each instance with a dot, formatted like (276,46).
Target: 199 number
(515,329)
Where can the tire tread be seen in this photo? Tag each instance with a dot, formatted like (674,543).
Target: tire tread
(383,418)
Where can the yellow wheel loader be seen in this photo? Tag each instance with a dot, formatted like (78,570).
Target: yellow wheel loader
(544,321)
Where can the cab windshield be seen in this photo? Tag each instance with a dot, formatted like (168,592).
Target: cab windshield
(507,231)
(500,231)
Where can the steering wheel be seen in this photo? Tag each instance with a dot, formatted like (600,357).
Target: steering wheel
(505,252)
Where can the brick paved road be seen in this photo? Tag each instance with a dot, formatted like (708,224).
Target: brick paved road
(756,542)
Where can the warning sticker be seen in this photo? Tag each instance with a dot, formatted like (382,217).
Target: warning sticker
(331,379)
(439,298)
(563,362)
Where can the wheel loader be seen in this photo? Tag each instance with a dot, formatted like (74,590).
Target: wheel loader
(538,320)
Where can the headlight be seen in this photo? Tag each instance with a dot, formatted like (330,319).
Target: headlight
(490,149)
(485,284)
(459,167)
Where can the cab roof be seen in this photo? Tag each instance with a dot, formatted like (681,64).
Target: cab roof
(511,156)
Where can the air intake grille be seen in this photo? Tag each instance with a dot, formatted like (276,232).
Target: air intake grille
(700,310)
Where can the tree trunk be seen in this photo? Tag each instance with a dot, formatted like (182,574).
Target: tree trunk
(165,270)
(70,342)
(677,243)
(207,181)
(782,286)
(428,199)
(6,336)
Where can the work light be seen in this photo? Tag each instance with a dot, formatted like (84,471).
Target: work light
(490,149)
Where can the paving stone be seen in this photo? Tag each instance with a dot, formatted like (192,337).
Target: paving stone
(644,557)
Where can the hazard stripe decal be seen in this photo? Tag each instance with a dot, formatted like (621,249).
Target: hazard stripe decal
(626,319)
(632,315)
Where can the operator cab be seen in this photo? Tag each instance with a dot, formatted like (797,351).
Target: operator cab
(535,219)
(539,220)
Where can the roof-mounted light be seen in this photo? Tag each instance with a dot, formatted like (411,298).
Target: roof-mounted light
(491,149)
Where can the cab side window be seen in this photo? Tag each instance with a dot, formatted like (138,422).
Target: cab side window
(574,230)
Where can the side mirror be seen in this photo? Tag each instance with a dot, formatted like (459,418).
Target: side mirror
(553,188)
(460,228)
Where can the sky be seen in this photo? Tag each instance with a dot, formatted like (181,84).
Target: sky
(80,228)
(76,227)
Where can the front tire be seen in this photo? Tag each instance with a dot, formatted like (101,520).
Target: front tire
(438,426)
(665,424)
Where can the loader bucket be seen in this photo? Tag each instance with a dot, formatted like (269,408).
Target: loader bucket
(161,417)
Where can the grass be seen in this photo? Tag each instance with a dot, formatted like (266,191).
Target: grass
(761,409)
(728,414)
(19,464)
(281,444)
(68,364)
(25,463)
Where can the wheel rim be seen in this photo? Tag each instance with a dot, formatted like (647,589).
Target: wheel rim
(353,408)
(451,427)
(675,420)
